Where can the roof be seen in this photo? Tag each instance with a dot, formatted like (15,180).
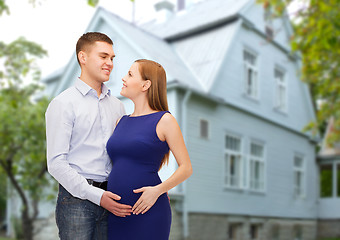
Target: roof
(328,151)
(205,52)
(191,45)
(200,16)
(157,49)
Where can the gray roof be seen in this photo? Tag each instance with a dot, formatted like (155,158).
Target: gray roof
(200,16)
(192,61)
(157,49)
(205,52)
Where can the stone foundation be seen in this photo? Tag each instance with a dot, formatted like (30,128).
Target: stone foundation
(328,228)
(228,227)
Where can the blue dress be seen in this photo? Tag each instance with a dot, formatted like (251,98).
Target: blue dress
(136,153)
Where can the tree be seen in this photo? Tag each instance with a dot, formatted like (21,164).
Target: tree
(3,197)
(22,129)
(317,38)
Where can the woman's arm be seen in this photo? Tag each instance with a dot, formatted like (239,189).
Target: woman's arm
(169,131)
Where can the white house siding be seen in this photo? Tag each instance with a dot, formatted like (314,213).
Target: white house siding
(206,184)
(230,82)
(210,62)
(208,200)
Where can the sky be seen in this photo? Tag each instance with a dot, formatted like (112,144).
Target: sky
(57,24)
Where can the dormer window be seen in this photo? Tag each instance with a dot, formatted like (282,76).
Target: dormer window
(268,19)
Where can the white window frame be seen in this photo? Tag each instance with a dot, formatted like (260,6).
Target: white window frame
(208,129)
(257,185)
(252,89)
(281,85)
(299,191)
(239,178)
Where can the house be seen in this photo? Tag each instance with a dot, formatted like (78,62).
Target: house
(329,202)
(234,87)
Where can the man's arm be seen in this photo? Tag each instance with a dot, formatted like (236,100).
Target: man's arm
(59,125)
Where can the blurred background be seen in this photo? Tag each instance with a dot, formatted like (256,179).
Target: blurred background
(254,86)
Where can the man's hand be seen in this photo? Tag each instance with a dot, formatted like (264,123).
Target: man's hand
(108,201)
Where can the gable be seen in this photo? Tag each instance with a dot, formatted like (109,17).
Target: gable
(282,29)
(130,44)
(230,81)
(200,16)
(203,53)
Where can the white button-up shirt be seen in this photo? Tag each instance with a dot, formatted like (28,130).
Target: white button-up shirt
(78,126)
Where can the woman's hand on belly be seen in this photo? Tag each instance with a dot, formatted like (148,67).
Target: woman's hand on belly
(147,200)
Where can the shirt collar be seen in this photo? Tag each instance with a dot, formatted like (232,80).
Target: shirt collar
(85,89)
(106,90)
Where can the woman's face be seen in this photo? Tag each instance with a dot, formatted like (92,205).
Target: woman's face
(132,82)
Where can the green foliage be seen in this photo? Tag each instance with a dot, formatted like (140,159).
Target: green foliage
(92,3)
(326,181)
(18,59)
(3,7)
(17,228)
(22,128)
(316,37)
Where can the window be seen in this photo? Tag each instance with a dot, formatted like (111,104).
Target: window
(281,90)
(275,232)
(234,231)
(297,232)
(299,175)
(250,75)
(233,162)
(254,231)
(326,180)
(256,162)
(204,129)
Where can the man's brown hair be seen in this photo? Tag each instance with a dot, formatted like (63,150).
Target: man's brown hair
(89,38)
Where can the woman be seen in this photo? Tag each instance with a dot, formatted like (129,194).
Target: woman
(138,148)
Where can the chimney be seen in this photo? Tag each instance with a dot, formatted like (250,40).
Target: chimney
(164,10)
(180,5)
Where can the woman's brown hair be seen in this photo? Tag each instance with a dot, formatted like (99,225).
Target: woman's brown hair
(157,93)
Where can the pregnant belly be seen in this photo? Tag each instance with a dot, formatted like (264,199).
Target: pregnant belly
(122,181)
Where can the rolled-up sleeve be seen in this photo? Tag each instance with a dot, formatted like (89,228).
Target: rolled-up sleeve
(59,124)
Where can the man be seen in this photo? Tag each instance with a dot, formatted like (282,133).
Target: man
(79,121)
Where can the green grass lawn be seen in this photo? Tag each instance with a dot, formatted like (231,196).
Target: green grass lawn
(3,238)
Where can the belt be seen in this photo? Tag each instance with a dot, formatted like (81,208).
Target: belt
(102,185)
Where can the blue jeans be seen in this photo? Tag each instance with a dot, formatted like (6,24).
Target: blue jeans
(79,219)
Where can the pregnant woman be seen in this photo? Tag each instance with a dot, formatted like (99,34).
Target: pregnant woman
(138,148)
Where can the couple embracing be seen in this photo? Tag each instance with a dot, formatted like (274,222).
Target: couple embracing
(107,162)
